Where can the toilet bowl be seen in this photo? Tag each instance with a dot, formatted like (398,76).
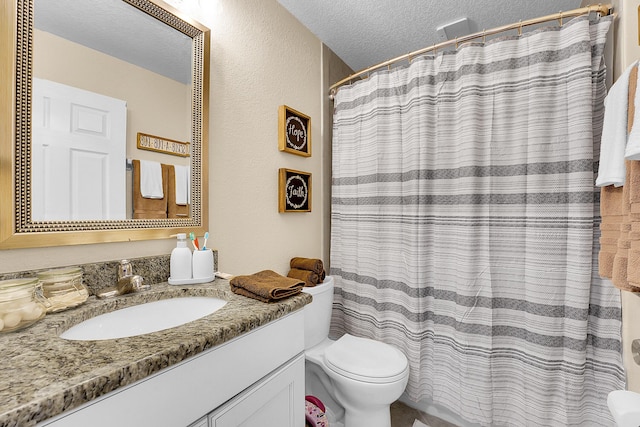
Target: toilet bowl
(356,378)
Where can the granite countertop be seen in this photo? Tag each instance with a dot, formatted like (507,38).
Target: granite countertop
(44,375)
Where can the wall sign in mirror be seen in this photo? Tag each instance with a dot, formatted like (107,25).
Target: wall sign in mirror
(294,131)
(294,191)
(162,145)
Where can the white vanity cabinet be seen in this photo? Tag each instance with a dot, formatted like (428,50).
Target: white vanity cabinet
(275,401)
(256,379)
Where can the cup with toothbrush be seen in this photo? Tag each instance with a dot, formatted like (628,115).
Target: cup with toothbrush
(202,259)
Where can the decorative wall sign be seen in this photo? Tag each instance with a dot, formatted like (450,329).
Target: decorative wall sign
(294,191)
(294,131)
(163,145)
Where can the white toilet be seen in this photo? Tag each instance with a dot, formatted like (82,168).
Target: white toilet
(625,407)
(356,378)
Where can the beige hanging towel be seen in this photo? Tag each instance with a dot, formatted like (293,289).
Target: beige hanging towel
(619,257)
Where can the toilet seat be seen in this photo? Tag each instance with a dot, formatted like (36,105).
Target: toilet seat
(366,360)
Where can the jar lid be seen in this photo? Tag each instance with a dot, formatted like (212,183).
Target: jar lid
(59,273)
(17,288)
(10,284)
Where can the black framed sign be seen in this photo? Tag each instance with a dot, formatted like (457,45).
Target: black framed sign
(294,191)
(294,131)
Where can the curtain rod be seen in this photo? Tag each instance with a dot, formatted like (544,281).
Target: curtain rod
(603,10)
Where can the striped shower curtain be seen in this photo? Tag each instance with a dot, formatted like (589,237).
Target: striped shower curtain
(465,226)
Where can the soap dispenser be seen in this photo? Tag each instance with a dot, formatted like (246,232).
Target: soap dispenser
(180,263)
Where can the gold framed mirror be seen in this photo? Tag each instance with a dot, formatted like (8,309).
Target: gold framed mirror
(18,229)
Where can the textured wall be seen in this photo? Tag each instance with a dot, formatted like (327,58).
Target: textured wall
(261,58)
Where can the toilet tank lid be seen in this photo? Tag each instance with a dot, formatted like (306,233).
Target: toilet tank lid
(324,286)
(366,360)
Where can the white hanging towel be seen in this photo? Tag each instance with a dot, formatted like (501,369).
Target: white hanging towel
(612,170)
(151,180)
(183,192)
(632,152)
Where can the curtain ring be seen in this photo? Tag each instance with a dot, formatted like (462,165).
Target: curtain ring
(484,36)
(520,27)
(435,50)
(561,18)
(456,43)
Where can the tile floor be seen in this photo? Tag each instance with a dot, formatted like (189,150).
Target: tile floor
(404,416)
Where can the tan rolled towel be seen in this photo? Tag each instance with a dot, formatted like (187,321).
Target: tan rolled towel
(310,278)
(311,264)
(266,286)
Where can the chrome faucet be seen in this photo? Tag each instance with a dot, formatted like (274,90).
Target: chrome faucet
(127,282)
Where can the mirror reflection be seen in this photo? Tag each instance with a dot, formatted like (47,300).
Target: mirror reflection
(111,113)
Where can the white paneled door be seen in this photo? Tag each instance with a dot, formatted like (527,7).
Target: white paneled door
(78,154)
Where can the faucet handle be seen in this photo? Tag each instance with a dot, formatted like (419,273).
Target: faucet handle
(137,282)
(125,269)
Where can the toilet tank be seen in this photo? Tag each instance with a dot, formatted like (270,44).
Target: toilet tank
(317,314)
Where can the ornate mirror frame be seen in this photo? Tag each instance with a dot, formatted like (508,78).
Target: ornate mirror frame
(17,230)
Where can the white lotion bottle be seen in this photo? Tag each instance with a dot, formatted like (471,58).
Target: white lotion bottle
(180,263)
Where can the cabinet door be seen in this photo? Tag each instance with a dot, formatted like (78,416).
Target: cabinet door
(275,401)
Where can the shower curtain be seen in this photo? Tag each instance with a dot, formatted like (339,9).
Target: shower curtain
(465,226)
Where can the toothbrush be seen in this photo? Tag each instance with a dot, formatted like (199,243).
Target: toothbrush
(206,236)
(192,236)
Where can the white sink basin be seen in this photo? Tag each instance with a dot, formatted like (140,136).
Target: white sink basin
(144,318)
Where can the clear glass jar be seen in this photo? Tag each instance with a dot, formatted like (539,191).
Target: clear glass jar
(63,288)
(21,303)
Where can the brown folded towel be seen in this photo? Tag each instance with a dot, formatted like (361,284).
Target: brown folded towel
(266,286)
(310,278)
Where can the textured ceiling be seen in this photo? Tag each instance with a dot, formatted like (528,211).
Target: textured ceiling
(366,32)
(120,30)
(361,32)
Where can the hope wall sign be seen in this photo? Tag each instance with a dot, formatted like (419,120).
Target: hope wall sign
(294,131)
